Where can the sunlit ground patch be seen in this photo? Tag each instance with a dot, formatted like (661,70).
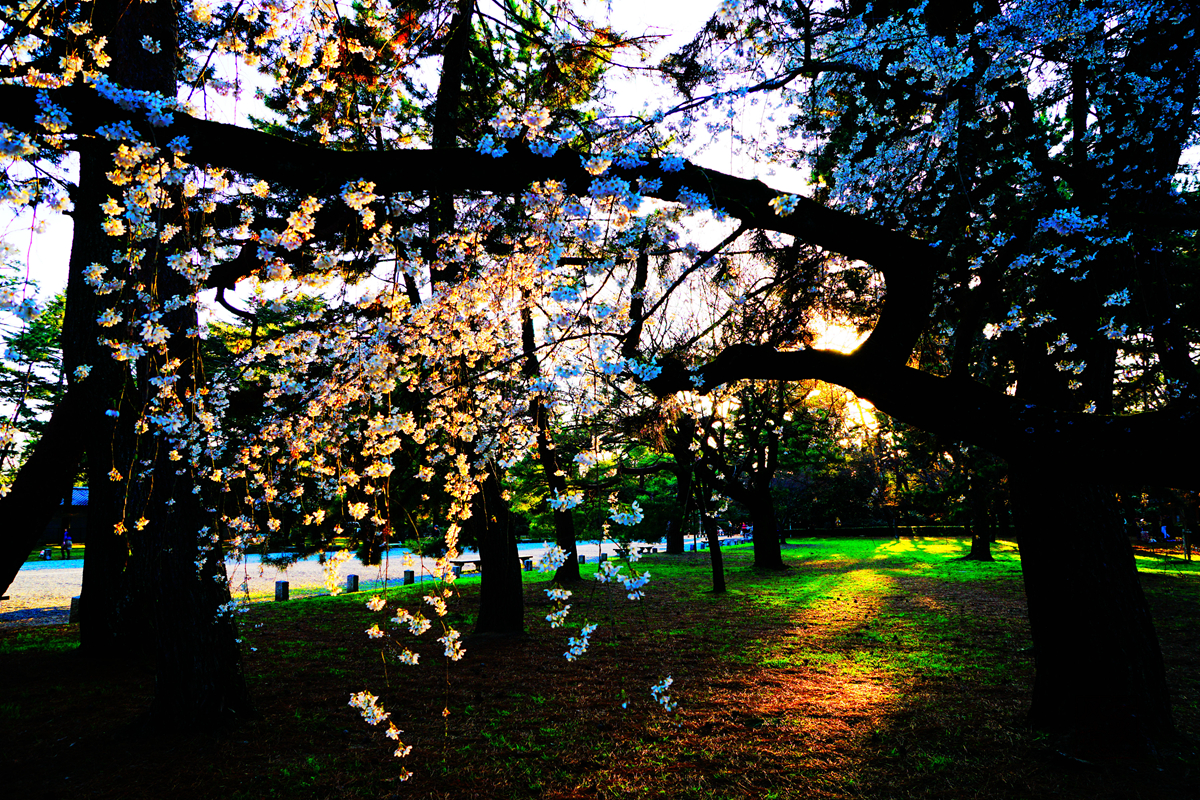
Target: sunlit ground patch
(1169,564)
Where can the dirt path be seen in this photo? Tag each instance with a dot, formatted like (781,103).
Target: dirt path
(41,593)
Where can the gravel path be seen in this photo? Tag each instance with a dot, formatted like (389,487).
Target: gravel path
(42,591)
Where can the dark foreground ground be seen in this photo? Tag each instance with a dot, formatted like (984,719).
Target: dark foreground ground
(867,670)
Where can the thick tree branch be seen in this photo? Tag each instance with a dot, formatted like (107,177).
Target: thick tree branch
(1143,447)
(908,265)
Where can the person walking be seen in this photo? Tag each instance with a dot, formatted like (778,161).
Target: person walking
(66,543)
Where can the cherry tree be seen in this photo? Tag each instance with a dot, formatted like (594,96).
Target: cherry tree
(1029,158)
(1007,179)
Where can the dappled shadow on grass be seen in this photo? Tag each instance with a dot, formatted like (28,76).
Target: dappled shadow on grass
(866,670)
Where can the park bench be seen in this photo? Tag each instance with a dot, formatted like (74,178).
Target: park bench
(623,552)
(460,565)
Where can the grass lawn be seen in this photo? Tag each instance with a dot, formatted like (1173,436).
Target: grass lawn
(56,553)
(869,669)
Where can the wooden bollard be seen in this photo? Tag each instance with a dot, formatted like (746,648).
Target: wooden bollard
(281,591)
(351,584)
(409,577)
(75,603)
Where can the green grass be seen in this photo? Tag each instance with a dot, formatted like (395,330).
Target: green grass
(76,552)
(823,572)
(849,587)
(1170,564)
(47,639)
(902,631)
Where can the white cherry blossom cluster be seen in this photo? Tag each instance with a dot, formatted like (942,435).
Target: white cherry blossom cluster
(454,649)
(333,563)
(578,645)
(368,706)
(23,308)
(661,694)
(564,502)
(551,559)
(631,517)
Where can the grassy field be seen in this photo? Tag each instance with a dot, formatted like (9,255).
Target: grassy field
(56,553)
(869,669)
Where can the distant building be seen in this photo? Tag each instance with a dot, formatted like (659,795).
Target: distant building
(74,515)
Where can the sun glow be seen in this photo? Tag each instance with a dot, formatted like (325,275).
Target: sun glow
(843,338)
(838,336)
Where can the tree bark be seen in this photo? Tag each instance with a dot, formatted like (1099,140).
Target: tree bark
(199,682)
(501,590)
(981,545)
(109,618)
(756,498)
(112,613)
(1189,522)
(677,523)
(1100,678)
(767,552)
(979,526)
(714,540)
(199,679)
(681,441)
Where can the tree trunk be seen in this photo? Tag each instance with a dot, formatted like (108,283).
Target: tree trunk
(1189,522)
(979,524)
(109,622)
(111,618)
(564,520)
(199,682)
(767,553)
(1100,678)
(198,679)
(714,540)
(501,591)
(981,545)
(677,522)
(680,442)
(978,527)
